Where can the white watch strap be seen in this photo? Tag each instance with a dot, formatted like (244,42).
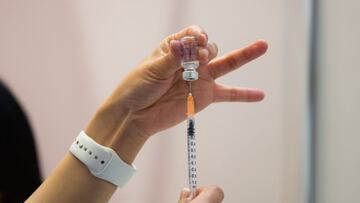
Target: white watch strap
(103,162)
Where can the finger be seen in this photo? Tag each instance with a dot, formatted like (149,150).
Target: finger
(169,63)
(193,30)
(203,55)
(207,53)
(184,194)
(209,195)
(237,58)
(213,50)
(224,93)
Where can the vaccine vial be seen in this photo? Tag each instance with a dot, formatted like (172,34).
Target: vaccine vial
(189,58)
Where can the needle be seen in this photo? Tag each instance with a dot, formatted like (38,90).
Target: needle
(189,87)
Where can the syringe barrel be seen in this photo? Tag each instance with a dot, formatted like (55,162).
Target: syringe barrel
(192,155)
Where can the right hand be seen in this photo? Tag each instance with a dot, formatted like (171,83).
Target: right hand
(204,195)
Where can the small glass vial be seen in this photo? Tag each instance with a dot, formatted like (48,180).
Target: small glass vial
(189,58)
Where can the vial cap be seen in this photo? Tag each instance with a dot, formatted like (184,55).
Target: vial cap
(190,75)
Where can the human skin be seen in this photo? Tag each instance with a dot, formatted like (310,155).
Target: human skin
(150,99)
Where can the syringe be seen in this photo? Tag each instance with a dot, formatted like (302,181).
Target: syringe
(191,144)
(190,64)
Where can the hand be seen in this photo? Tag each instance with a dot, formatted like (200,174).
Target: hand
(204,195)
(153,96)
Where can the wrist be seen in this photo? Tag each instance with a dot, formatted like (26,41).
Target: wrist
(115,129)
(128,141)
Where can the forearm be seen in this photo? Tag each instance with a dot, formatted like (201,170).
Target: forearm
(71,181)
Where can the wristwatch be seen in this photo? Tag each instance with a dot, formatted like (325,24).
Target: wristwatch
(103,162)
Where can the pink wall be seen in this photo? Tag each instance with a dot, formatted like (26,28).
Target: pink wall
(62,58)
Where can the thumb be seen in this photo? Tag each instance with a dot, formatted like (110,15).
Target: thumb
(184,195)
(169,61)
(209,195)
(167,64)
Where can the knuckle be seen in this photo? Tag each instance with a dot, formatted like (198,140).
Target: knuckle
(167,40)
(172,36)
(212,72)
(233,94)
(195,30)
(247,55)
(232,62)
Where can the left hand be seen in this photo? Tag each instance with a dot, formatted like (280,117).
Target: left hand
(153,96)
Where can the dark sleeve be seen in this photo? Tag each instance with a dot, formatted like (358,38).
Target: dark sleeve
(19,168)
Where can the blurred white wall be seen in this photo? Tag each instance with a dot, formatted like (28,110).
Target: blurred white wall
(338,136)
(62,58)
